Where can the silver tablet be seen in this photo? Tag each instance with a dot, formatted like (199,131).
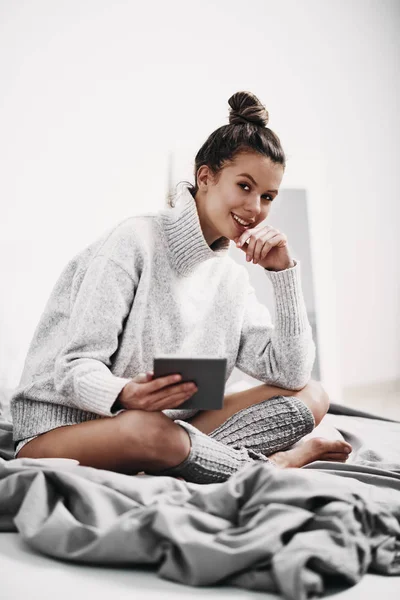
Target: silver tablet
(209,374)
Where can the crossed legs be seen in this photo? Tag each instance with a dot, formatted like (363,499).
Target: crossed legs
(136,440)
(313,395)
(325,444)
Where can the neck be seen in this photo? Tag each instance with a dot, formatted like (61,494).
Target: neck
(207,228)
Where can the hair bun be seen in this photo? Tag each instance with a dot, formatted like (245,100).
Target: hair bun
(246,108)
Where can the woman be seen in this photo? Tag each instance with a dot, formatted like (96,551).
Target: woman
(163,283)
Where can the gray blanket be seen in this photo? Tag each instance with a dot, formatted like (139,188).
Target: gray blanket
(297,532)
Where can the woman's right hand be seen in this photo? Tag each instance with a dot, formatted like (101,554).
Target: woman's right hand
(146,393)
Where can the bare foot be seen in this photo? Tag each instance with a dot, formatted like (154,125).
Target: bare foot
(316,448)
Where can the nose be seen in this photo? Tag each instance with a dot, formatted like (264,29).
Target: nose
(253,206)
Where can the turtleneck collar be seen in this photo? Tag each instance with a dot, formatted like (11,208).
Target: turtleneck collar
(184,235)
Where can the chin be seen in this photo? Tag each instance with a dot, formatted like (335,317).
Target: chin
(229,235)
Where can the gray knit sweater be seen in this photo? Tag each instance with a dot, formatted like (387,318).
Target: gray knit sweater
(149,286)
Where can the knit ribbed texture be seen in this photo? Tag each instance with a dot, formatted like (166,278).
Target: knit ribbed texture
(152,286)
(289,301)
(268,426)
(180,413)
(33,415)
(185,237)
(210,461)
(98,390)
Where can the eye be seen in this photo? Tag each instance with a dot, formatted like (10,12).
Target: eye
(267,196)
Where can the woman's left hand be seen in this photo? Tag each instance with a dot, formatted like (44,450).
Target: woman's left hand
(267,247)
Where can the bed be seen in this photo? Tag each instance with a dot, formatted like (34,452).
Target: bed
(325,529)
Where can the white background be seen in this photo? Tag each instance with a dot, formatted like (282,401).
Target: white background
(94,95)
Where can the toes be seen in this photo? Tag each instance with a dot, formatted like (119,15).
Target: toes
(339,457)
(333,446)
(340,446)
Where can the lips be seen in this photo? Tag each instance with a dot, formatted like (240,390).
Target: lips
(240,227)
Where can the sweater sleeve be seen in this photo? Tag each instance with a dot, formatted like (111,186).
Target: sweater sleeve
(98,312)
(282,354)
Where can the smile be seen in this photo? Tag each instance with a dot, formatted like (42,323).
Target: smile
(240,225)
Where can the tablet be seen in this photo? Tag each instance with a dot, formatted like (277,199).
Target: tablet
(207,373)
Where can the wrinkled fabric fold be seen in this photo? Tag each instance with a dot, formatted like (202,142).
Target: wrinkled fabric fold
(277,530)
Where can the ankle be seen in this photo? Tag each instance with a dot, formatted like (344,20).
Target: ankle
(279,459)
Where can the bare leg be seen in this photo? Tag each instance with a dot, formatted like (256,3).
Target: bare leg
(136,441)
(131,442)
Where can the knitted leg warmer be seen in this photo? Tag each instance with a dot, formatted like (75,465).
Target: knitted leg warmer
(209,461)
(268,426)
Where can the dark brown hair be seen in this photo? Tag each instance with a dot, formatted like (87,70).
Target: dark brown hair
(247,132)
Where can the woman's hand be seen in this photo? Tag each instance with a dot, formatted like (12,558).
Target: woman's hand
(146,393)
(266,246)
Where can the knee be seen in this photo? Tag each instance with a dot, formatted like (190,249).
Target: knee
(316,388)
(320,398)
(157,436)
(141,429)
(323,395)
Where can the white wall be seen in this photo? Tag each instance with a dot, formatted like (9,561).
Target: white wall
(94,94)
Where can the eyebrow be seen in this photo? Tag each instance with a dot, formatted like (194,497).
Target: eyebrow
(254,181)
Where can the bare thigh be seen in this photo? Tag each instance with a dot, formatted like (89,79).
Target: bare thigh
(131,442)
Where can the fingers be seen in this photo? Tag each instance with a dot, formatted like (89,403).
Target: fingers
(268,245)
(255,232)
(172,401)
(151,394)
(157,384)
(167,394)
(251,247)
(260,243)
(256,244)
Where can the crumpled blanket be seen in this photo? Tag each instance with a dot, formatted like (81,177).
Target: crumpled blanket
(295,532)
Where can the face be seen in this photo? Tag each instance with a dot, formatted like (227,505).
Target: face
(234,192)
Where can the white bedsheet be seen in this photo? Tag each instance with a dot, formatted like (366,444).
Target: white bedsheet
(28,574)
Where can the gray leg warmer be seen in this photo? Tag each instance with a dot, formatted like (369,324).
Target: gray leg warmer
(268,426)
(210,461)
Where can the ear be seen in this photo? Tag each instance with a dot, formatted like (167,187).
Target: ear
(204,177)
